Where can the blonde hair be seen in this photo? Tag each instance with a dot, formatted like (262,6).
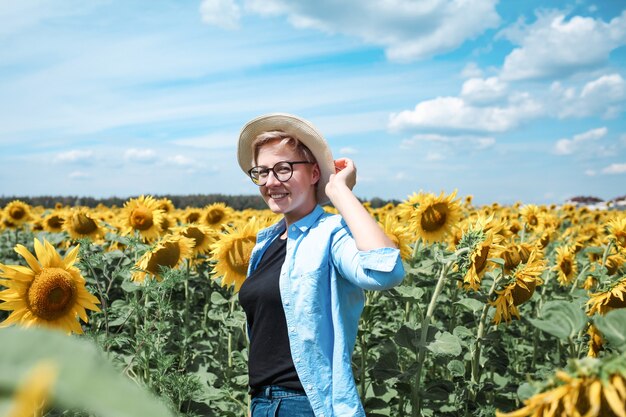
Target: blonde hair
(285,140)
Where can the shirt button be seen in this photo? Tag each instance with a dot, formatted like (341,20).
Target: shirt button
(293,228)
(286,302)
(309,387)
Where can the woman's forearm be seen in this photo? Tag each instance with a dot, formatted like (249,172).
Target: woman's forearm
(366,232)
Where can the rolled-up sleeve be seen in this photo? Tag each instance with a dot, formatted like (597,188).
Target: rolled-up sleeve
(375,269)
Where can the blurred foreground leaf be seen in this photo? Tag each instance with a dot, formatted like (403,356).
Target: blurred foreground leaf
(86,381)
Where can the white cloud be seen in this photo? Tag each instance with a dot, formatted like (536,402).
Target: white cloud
(554,47)
(483,90)
(140,155)
(450,144)
(569,146)
(434,156)
(603,96)
(221,13)
(472,70)
(615,169)
(590,173)
(408,29)
(214,140)
(457,114)
(79,175)
(348,151)
(76,155)
(181,160)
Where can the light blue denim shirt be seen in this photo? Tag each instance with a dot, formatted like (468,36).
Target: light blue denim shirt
(321,287)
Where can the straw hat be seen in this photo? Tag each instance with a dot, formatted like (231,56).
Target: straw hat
(301,129)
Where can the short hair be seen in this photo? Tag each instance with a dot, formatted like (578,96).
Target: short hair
(285,140)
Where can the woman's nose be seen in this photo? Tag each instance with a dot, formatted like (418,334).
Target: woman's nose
(271,179)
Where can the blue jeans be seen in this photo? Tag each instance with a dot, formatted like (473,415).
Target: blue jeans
(276,401)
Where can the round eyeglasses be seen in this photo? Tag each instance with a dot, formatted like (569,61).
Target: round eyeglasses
(282,170)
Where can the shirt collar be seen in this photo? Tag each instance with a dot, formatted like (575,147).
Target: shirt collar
(303,224)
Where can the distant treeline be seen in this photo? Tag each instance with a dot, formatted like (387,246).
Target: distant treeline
(238,202)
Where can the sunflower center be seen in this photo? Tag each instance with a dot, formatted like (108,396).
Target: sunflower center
(17,212)
(214,216)
(193,217)
(434,217)
(481,260)
(195,234)
(532,220)
(511,259)
(566,267)
(83,224)
(621,239)
(55,222)
(52,294)
(167,256)
(141,218)
(239,255)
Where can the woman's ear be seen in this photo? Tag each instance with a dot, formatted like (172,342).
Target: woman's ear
(316,173)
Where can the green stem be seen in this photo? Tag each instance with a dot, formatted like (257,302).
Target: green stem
(479,337)
(582,272)
(421,354)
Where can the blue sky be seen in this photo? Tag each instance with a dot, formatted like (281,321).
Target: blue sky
(507,101)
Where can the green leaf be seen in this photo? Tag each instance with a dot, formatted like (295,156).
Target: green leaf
(456,367)
(217,298)
(407,337)
(86,380)
(471,304)
(445,344)
(129,286)
(410,293)
(561,319)
(525,391)
(612,327)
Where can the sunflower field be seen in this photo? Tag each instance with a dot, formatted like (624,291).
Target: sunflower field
(507,311)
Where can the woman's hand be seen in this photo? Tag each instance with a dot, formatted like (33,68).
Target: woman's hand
(345,174)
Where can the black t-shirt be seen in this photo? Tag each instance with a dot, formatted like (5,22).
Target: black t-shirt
(269,359)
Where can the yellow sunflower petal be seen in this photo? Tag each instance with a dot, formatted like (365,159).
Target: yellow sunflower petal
(30,259)
(612,398)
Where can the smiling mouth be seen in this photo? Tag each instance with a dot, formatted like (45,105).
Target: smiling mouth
(278,196)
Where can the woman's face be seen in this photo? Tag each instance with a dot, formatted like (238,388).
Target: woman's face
(294,198)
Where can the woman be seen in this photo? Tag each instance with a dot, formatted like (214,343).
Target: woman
(304,292)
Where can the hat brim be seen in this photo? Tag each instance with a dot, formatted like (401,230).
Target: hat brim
(300,129)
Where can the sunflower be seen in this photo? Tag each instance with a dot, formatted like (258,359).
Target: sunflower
(605,301)
(33,392)
(514,254)
(203,237)
(216,215)
(398,235)
(617,230)
(587,391)
(169,252)
(531,216)
(481,239)
(17,213)
(566,266)
(479,263)
(430,217)
(80,224)
(142,215)
(232,251)
(595,341)
(166,205)
(520,288)
(192,215)
(53,222)
(614,263)
(51,293)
